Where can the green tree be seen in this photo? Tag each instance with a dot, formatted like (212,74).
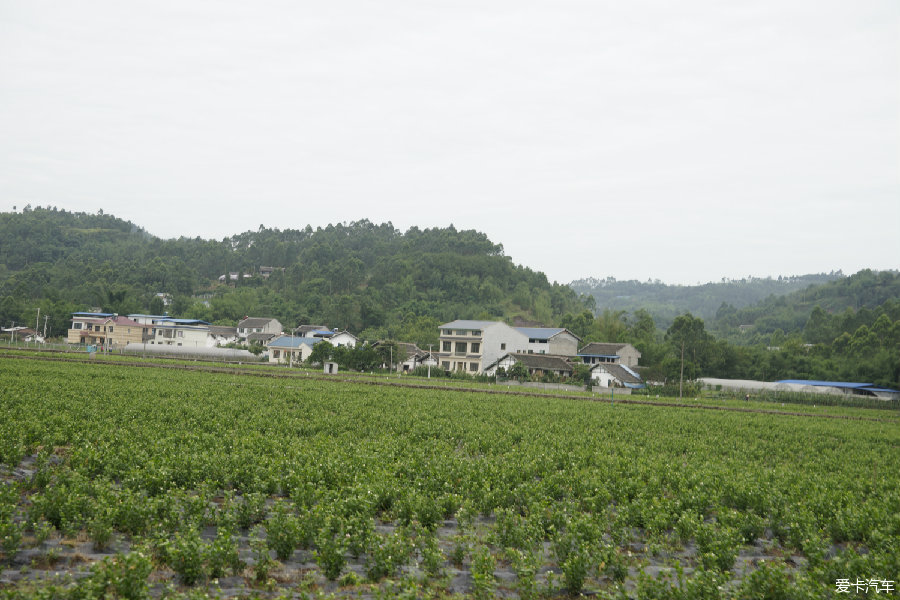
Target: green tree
(687,339)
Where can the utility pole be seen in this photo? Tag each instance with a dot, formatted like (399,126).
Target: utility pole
(45,326)
(429,360)
(681,375)
(37,321)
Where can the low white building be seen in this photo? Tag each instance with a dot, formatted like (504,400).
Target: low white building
(615,375)
(288,349)
(192,333)
(343,338)
(221,336)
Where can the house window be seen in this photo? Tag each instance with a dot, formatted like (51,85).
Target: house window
(447,346)
(180,334)
(503,346)
(76,326)
(477,332)
(110,329)
(445,364)
(460,347)
(476,348)
(473,366)
(276,354)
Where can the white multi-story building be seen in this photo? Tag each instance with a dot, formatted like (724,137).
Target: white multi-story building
(191,333)
(471,346)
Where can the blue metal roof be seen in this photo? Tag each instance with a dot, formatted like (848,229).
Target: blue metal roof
(287,341)
(836,384)
(539,333)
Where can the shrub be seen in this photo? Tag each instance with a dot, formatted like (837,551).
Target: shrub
(386,554)
(282,531)
(223,553)
(10,538)
(483,563)
(186,556)
(123,576)
(525,563)
(263,561)
(329,553)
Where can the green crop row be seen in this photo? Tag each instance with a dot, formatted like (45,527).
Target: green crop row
(374,485)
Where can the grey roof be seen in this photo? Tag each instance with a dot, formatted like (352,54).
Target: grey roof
(601,349)
(262,338)
(464,324)
(255,322)
(544,333)
(545,362)
(411,351)
(220,330)
(620,372)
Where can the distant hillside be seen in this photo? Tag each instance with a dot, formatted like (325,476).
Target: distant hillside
(665,302)
(820,312)
(362,276)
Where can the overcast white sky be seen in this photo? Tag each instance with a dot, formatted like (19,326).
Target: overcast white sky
(685,141)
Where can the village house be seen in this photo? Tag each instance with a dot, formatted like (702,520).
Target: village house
(251,325)
(622,354)
(167,331)
(536,364)
(343,338)
(615,375)
(287,349)
(407,357)
(470,346)
(550,340)
(221,336)
(105,329)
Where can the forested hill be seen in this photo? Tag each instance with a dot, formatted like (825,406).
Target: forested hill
(665,302)
(366,277)
(820,313)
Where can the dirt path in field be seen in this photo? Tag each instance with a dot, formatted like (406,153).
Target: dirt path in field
(362,379)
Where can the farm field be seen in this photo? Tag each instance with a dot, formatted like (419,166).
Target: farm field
(130,481)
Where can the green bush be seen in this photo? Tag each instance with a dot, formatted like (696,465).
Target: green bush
(122,576)
(282,530)
(329,553)
(186,556)
(483,564)
(386,554)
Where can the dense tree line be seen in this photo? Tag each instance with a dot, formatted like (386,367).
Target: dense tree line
(386,284)
(849,345)
(369,278)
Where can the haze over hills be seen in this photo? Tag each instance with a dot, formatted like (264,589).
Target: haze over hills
(665,301)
